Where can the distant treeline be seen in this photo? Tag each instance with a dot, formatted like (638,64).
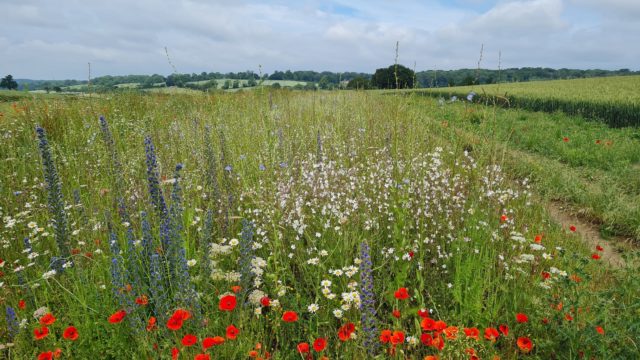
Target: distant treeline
(328,79)
(324,79)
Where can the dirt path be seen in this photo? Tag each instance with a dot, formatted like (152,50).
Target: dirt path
(590,235)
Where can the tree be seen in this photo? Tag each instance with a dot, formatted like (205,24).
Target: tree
(385,78)
(468,80)
(226,84)
(8,82)
(359,83)
(324,82)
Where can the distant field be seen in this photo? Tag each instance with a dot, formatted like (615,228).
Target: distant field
(614,100)
(283,83)
(160,88)
(128,86)
(172,90)
(74,87)
(623,89)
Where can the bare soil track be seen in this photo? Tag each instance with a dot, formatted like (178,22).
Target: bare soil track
(590,234)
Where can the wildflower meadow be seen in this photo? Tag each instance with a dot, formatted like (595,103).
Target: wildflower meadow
(274,224)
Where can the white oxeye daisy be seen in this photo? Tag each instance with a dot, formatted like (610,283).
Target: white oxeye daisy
(313,308)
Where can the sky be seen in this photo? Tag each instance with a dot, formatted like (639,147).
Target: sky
(57,39)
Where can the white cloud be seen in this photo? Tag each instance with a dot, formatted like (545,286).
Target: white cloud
(524,17)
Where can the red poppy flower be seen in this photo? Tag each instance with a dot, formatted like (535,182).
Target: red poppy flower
(546,275)
(451,332)
(117,316)
(439,325)
(598,141)
(174,323)
(57,353)
(232,332)
(568,317)
(435,340)
(426,339)
(491,334)
(189,340)
(303,348)
(522,318)
(265,301)
(70,333)
(599,248)
(600,330)
(385,336)
(423,313)
(350,327)
(397,337)
(151,324)
(47,355)
(174,353)
(41,332)
(438,341)
(503,218)
(428,324)
(212,341)
(401,294)
(524,343)
(320,344)
(289,316)
(565,139)
(142,300)
(22,304)
(202,357)
(504,329)
(396,313)
(595,256)
(227,303)
(572,228)
(472,332)
(236,289)
(538,239)
(47,319)
(182,314)
(345,331)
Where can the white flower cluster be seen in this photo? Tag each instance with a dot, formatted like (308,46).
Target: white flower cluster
(257,268)
(347,271)
(255,296)
(216,252)
(350,300)
(326,289)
